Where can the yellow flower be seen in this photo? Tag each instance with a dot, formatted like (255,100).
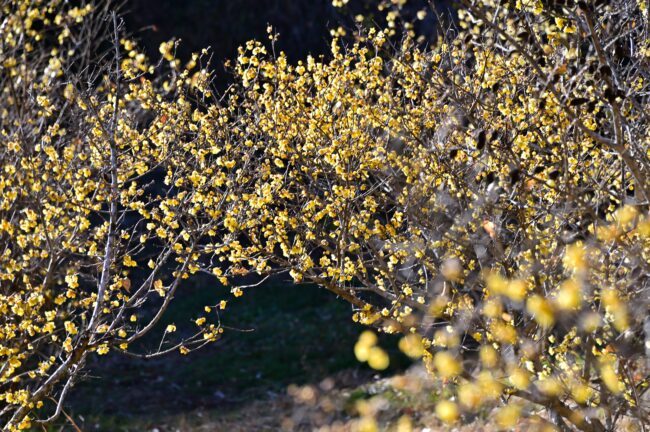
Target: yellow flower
(447,411)
(70,327)
(446,364)
(569,295)
(411,345)
(519,378)
(158,286)
(508,416)
(610,377)
(575,257)
(67,344)
(541,310)
(469,395)
(489,356)
(378,358)
(366,341)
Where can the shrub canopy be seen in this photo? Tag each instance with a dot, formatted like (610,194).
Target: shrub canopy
(486,195)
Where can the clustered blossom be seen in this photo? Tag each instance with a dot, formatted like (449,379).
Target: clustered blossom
(115,179)
(487,193)
(486,196)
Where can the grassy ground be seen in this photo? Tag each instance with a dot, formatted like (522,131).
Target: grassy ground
(293,369)
(290,335)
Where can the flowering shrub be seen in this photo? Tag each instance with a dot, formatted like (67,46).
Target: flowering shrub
(486,196)
(114,175)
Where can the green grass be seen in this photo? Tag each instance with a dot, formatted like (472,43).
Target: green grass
(289,335)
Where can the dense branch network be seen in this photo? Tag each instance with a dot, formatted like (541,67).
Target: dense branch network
(486,195)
